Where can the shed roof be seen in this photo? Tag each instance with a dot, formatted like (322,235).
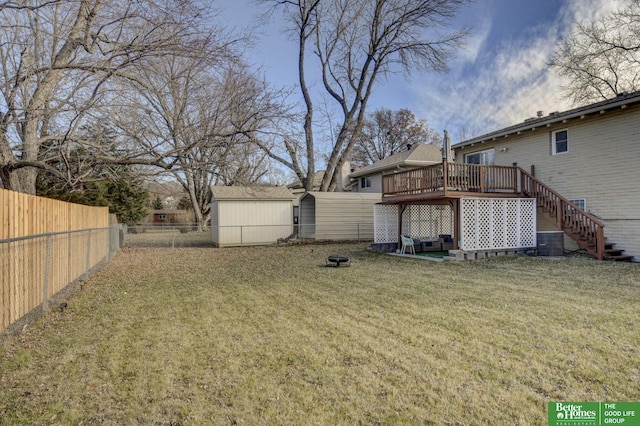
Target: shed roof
(418,156)
(619,102)
(251,193)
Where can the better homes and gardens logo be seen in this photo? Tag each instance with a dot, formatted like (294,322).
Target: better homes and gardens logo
(570,413)
(594,413)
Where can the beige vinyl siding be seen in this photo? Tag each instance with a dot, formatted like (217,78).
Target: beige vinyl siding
(251,222)
(347,220)
(339,215)
(626,235)
(215,234)
(601,166)
(376,185)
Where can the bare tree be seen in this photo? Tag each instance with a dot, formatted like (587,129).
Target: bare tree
(386,131)
(355,43)
(57,60)
(601,59)
(464,132)
(194,117)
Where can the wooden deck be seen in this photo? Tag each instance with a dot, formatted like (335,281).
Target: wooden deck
(450,181)
(462,180)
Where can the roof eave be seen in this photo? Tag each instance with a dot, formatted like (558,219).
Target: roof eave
(549,120)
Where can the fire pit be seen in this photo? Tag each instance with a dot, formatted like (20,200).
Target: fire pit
(335,260)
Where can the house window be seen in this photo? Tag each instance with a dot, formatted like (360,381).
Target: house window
(580,202)
(560,142)
(365,182)
(486,158)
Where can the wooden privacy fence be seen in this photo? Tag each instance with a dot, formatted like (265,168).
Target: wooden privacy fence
(44,246)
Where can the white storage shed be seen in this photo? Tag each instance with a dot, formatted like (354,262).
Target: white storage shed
(337,215)
(250,215)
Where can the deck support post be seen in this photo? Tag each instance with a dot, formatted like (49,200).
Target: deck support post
(401,209)
(455,209)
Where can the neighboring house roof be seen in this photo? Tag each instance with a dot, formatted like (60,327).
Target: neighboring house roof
(619,102)
(419,155)
(251,193)
(317,180)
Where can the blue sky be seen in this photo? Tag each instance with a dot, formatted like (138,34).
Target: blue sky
(499,79)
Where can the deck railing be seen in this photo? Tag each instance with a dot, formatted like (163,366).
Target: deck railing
(457,176)
(586,229)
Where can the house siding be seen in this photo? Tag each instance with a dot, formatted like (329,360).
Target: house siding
(376,185)
(600,166)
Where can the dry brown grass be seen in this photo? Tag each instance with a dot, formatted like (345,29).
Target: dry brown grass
(159,237)
(268,335)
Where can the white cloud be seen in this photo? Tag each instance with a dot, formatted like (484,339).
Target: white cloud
(512,86)
(475,42)
(586,10)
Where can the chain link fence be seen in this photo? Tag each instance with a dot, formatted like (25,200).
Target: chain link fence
(178,236)
(167,236)
(38,270)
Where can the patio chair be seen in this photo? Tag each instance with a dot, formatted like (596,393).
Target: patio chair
(407,242)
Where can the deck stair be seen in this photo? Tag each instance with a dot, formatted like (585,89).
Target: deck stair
(614,254)
(585,229)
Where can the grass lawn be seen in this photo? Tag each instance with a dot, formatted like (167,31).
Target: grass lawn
(158,237)
(268,335)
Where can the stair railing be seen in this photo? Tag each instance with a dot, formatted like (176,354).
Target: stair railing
(583,227)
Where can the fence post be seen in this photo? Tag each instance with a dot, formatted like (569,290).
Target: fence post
(173,238)
(109,239)
(241,236)
(47,269)
(86,274)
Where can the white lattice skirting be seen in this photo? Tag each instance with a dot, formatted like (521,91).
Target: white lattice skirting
(502,223)
(385,223)
(425,222)
(485,223)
